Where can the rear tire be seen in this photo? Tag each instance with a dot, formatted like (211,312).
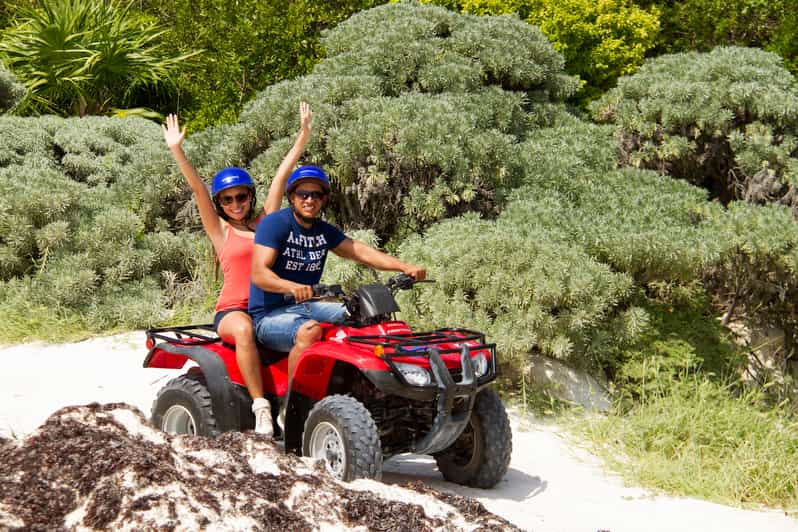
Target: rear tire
(183,406)
(481,455)
(340,431)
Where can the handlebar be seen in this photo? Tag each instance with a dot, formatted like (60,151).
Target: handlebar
(324,291)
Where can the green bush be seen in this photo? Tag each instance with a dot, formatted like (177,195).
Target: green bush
(524,290)
(86,226)
(600,41)
(724,120)
(244,49)
(785,40)
(757,272)
(82,57)
(704,24)
(429,129)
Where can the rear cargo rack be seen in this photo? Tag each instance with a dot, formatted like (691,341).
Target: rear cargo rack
(185,334)
(408,344)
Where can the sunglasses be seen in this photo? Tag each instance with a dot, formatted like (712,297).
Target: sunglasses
(313,194)
(241,197)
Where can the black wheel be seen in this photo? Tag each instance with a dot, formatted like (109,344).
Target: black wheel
(481,455)
(183,406)
(340,431)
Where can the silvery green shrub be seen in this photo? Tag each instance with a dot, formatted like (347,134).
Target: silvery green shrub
(725,120)
(418,114)
(525,290)
(88,220)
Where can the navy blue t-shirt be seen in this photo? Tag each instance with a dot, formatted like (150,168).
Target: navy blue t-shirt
(301,254)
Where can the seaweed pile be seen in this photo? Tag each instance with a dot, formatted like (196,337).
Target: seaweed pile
(102,467)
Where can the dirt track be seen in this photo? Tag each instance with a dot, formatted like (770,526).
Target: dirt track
(552,485)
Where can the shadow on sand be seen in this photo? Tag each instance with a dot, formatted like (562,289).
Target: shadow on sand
(516,485)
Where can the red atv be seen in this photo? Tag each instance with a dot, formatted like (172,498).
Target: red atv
(369,389)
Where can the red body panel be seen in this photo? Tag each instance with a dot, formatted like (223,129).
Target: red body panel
(317,362)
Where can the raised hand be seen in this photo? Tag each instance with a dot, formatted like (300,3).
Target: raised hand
(172,133)
(305,117)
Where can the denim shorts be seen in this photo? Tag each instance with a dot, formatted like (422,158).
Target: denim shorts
(277,329)
(217,318)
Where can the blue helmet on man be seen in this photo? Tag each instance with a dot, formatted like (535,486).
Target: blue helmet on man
(307,172)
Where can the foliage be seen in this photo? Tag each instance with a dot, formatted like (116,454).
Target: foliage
(704,24)
(85,225)
(683,338)
(725,120)
(600,41)
(701,438)
(524,290)
(757,273)
(244,49)
(81,57)
(347,273)
(11,91)
(785,40)
(429,128)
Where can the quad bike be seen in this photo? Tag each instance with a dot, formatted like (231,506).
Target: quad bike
(369,389)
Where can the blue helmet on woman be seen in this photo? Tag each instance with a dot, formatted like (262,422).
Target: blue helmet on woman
(230,177)
(307,173)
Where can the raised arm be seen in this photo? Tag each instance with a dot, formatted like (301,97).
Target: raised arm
(174,137)
(277,188)
(365,254)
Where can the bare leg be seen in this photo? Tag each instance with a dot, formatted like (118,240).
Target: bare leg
(238,327)
(307,334)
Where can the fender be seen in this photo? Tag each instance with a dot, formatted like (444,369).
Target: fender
(225,407)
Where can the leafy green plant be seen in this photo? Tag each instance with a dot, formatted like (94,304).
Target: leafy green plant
(79,57)
(244,50)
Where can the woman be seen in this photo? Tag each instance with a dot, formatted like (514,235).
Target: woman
(229,218)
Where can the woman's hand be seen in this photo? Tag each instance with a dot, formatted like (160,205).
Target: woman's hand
(172,133)
(305,117)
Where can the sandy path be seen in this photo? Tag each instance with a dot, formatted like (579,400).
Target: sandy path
(551,485)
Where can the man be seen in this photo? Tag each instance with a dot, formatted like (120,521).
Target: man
(290,251)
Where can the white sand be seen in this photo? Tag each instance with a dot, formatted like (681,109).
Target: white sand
(551,486)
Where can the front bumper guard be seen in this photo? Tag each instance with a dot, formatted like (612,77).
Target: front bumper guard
(448,425)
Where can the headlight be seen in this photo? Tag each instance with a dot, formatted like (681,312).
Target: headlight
(480,363)
(414,375)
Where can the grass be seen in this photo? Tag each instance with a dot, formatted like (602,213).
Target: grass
(43,324)
(703,440)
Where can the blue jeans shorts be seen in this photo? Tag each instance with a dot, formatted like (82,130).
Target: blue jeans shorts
(277,329)
(217,318)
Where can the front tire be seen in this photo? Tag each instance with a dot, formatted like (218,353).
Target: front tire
(340,431)
(183,406)
(481,455)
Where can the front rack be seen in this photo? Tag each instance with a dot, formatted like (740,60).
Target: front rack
(409,344)
(185,334)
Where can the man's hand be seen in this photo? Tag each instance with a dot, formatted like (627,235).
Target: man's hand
(301,292)
(416,272)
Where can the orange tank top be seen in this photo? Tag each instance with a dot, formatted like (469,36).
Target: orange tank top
(236,261)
